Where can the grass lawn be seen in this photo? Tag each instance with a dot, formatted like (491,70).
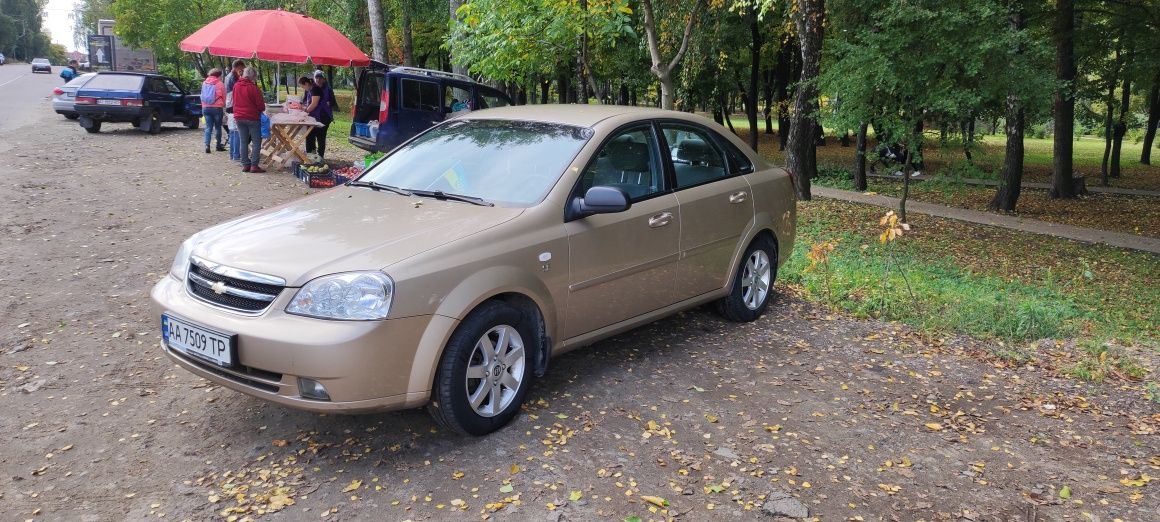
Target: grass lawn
(1127,214)
(987,282)
(988,157)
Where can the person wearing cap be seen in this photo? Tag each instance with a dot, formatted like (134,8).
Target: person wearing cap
(320,104)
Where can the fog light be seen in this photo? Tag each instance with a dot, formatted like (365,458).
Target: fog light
(312,389)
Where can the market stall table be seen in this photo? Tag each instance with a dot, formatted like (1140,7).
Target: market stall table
(286,140)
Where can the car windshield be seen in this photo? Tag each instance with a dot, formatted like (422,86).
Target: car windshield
(504,162)
(116,82)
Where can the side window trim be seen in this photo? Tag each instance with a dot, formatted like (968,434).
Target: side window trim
(655,138)
(713,141)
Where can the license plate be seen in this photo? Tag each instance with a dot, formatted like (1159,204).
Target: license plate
(108,102)
(199,342)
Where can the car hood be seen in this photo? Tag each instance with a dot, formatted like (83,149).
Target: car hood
(343,229)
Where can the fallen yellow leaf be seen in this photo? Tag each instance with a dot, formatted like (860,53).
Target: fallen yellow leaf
(656,501)
(934,426)
(354,484)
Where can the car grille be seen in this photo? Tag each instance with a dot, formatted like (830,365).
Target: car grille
(235,290)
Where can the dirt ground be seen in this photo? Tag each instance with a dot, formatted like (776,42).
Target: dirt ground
(691,418)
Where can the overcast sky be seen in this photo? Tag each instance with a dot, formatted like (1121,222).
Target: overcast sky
(58,22)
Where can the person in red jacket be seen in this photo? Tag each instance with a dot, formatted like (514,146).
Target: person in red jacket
(248,109)
(213,102)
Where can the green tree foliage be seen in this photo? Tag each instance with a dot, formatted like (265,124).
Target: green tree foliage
(22,35)
(523,41)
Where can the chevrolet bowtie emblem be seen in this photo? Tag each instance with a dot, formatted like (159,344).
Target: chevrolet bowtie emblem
(218,288)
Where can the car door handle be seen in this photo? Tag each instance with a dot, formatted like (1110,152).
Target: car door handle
(738,197)
(660,220)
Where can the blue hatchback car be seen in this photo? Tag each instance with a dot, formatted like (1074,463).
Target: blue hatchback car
(143,99)
(394,104)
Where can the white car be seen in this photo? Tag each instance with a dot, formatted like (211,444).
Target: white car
(64,97)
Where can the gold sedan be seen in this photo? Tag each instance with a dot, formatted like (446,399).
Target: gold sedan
(454,269)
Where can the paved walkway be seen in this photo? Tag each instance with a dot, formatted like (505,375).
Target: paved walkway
(1084,234)
(1029,184)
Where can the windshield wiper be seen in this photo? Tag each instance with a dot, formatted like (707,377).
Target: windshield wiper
(439,194)
(380,186)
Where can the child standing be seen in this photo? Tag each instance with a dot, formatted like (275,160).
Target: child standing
(232,125)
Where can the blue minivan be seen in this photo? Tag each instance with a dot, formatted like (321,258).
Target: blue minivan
(393,103)
(143,99)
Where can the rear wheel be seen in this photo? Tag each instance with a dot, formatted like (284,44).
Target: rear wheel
(485,371)
(90,125)
(192,123)
(753,285)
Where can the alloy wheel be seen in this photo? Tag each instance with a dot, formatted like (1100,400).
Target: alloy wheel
(495,370)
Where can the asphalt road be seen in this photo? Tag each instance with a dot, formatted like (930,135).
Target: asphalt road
(27,97)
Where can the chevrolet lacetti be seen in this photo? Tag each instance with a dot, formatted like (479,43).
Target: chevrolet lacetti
(454,269)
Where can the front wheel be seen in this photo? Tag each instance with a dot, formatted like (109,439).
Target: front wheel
(753,286)
(485,371)
(192,123)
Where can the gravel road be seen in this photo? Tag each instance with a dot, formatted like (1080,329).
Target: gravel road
(691,418)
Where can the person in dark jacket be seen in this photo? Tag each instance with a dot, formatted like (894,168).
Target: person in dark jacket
(320,104)
(248,109)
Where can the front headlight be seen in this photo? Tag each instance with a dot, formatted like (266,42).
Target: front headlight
(352,296)
(181,261)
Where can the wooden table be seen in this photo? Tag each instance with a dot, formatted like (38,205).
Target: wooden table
(285,143)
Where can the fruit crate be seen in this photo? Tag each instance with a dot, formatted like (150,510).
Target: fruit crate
(315,175)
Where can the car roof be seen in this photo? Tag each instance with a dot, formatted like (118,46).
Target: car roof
(134,73)
(581,115)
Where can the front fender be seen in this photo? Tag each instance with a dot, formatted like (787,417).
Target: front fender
(462,299)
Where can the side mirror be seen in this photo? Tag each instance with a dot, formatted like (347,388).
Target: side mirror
(601,199)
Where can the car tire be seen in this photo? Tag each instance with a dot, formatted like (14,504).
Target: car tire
(90,125)
(491,349)
(753,285)
(154,122)
(192,123)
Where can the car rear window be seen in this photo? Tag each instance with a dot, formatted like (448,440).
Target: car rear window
(40,61)
(76,82)
(115,82)
(505,162)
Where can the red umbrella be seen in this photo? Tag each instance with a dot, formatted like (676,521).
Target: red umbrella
(275,36)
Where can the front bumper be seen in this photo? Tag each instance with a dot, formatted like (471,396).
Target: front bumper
(365,366)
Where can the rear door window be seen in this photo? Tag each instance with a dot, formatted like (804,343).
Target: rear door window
(420,95)
(457,98)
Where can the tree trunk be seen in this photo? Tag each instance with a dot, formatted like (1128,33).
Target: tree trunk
(408,38)
(454,5)
(860,159)
(785,69)
(1153,121)
(662,70)
(906,170)
(754,74)
(562,87)
(1011,177)
(1121,125)
(378,30)
(768,88)
(801,151)
(1062,184)
(1108,123)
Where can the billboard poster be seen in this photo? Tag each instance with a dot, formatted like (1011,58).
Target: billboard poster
(101,51)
